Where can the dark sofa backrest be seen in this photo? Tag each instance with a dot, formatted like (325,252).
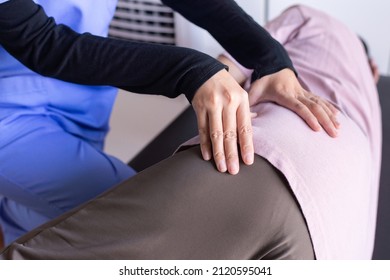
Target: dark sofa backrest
(185,127)
(382,239)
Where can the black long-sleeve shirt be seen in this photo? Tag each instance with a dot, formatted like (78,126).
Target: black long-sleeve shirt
(237,32)
(57,51)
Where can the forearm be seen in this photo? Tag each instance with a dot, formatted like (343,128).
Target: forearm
(57,51)
(237,32)
(234,70)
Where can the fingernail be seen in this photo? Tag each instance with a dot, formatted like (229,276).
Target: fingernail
(206,156)
(222,167)
(233,168)
(248,159)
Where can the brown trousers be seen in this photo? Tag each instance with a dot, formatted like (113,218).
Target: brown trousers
(181,208)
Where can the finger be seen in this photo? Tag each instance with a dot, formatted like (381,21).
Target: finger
(253,115)
(230,139)
(327,106)
(245,136)
(204,136)
(216,136)
(332,108)
(335,112)
(301,110)
(328,109)
(321,115)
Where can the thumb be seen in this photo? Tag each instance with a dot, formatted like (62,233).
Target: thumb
(256,95)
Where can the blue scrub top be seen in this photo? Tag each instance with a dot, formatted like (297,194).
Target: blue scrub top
(80,110)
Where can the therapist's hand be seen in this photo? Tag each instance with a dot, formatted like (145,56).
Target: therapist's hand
(224,122)
(284,89)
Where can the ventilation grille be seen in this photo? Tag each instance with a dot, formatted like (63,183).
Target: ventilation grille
(143,20)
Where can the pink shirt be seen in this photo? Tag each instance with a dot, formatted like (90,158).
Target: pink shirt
(335,180)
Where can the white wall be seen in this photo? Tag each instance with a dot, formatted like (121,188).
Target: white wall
(369,19)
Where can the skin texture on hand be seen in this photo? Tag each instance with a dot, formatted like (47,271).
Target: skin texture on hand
(284,89)
(224,122)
